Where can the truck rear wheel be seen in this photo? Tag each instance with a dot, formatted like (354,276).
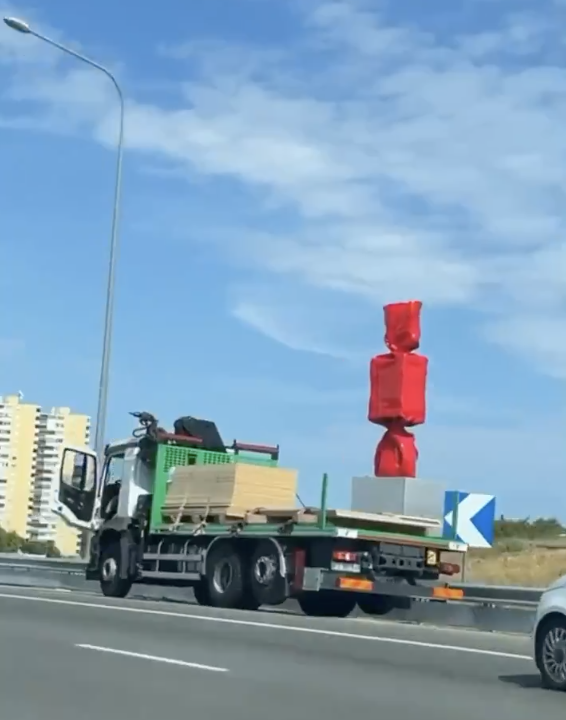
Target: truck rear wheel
(224,577)
(111,584)
(266,584)
(383,604)
(327,604)
(200,592)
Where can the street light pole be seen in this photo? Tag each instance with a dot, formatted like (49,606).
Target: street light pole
(101,411)
(23,27)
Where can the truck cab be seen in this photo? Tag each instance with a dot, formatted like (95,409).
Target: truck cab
(111,505)
(87,499)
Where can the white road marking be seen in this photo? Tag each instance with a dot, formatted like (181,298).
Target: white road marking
(153,658)
(272,626)
(7,586)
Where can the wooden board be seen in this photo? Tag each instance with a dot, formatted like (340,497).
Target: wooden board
(195,512)
(260,494)
(226,486)
(221,515)
(301,516)
(386,518)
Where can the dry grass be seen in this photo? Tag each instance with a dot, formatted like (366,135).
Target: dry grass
(516,562)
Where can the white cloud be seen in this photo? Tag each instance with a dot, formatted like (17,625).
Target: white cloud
(415,164)
(540,338)
(266,321)
(376,263)
(301,319)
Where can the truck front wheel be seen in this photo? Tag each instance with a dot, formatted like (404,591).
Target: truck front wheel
(327,604)
(111,584)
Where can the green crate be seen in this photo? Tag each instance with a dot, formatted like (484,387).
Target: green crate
(171,456)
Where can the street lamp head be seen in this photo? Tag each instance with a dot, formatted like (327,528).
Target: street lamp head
(16,24)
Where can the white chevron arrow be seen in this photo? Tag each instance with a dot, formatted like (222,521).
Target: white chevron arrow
(467,509)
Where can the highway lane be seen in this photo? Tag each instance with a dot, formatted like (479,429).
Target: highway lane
(69,656)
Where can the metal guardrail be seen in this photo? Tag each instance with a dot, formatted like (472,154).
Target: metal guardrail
(41,572)
(482,594)
(487,607)
(497,594)
(22,559)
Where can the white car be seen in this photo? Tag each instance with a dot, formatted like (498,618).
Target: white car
(549,635)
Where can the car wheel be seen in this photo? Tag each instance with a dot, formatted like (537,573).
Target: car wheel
(551,653)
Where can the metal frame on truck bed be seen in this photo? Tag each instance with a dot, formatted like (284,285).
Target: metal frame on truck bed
(329,560)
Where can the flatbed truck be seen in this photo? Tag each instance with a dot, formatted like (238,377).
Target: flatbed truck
(328,560)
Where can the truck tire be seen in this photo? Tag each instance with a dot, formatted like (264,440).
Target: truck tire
(224,578)
(383,604)
(248,602)
(327,604)
(550,653)
(266,584)
(111,584)
(376,604)
(200,592)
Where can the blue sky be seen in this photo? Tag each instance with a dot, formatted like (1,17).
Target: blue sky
(291,166)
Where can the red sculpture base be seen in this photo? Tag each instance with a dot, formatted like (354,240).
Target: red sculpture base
(396,454)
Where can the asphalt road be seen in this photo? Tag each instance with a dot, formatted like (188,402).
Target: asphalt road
(65,656)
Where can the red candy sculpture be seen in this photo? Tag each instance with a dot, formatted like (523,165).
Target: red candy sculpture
(397,391)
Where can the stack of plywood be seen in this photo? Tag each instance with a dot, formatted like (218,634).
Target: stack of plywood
(228,489)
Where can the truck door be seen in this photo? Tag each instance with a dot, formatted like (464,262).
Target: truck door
(77,496)
(112,478)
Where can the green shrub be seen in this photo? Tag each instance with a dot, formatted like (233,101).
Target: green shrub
(12,542)
(527,529)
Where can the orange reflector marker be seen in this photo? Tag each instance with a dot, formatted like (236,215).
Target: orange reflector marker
(448,593)
(355,584)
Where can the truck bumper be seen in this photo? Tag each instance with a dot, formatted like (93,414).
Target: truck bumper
(316,579)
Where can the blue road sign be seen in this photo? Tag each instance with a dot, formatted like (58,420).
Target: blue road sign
(474,517)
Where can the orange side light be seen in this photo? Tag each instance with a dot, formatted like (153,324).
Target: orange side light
(447,593)
(355,584)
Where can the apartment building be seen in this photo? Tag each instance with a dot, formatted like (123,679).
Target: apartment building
(18,446)
(55,429)
(33,443)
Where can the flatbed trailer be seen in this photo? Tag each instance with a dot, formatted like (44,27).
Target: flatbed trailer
(328,560)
